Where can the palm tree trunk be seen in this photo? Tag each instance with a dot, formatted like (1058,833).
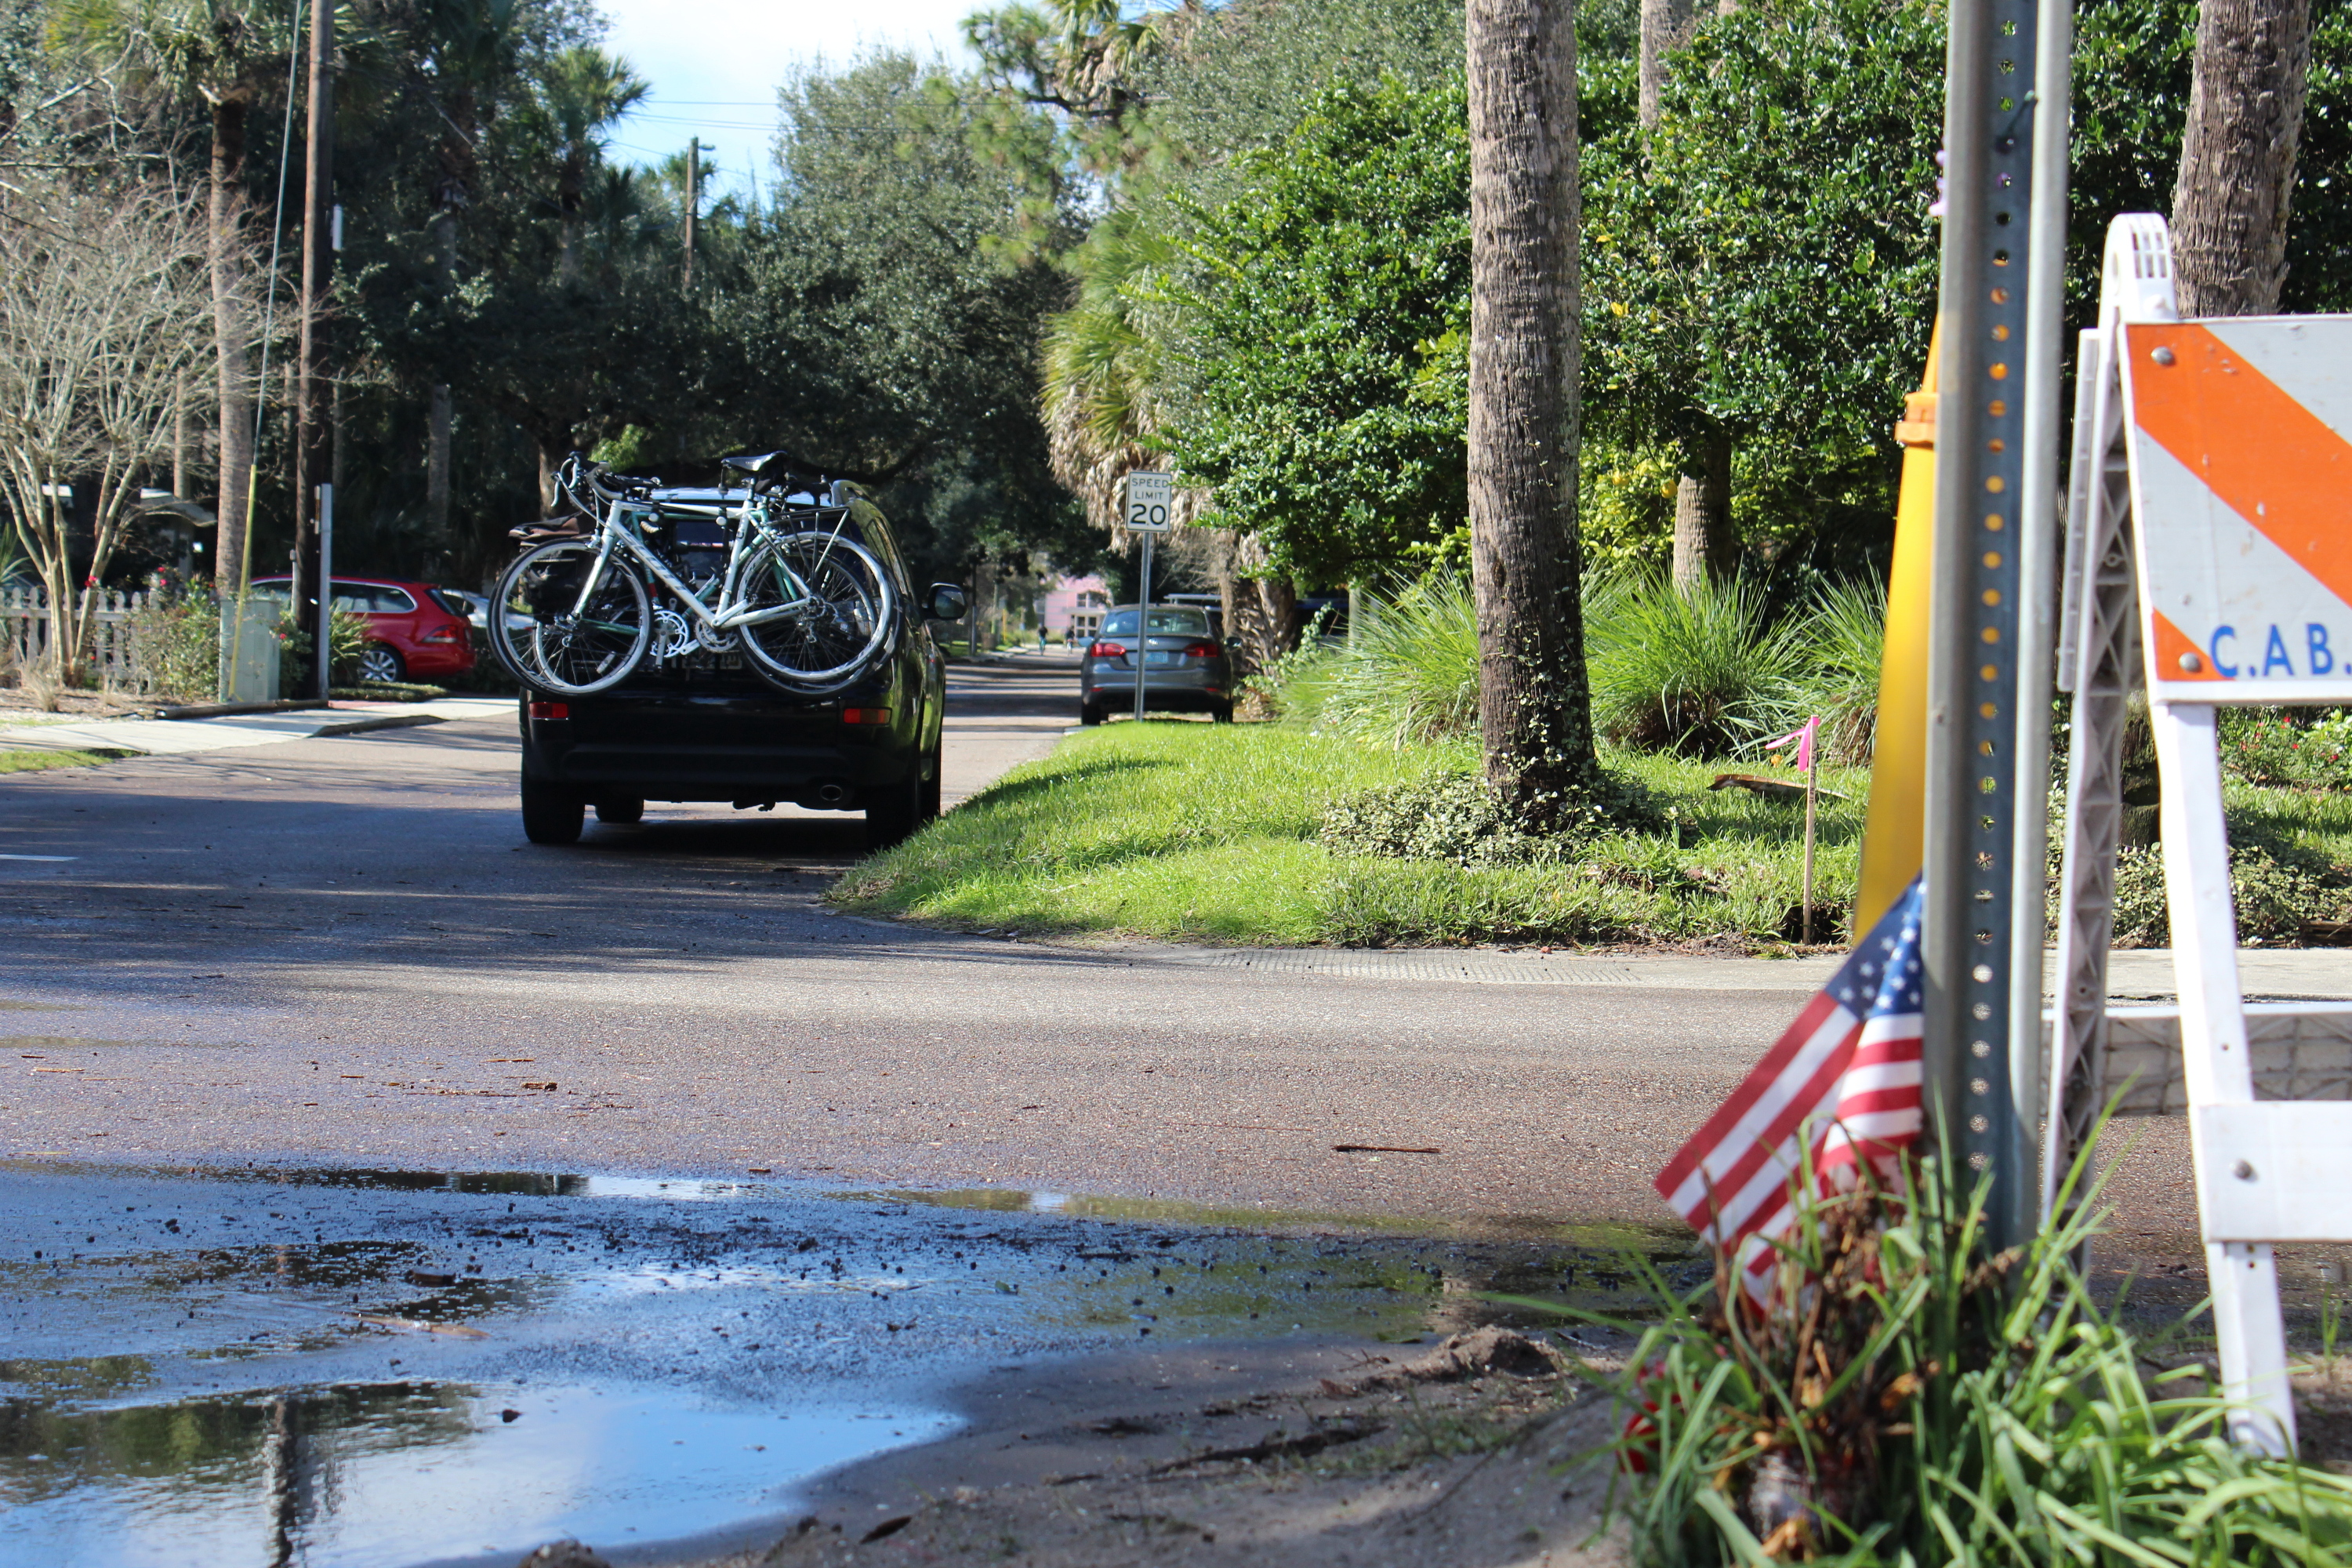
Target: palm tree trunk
(233,340)
(1534,705)
(1666,25)
(2237,156)
(1704,546)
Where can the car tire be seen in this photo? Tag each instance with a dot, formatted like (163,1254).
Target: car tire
(930,806)
(626,813)
(381,666)
(552,813)
(1090,713)
(1222,713)
(896,812)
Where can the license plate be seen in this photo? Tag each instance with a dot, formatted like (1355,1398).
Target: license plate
(1155,660)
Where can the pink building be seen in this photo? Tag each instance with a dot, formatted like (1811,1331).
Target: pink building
(1073,608)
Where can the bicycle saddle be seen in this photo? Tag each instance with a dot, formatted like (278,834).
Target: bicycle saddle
(767,467)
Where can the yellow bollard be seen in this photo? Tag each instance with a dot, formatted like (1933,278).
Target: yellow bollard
(1894,835)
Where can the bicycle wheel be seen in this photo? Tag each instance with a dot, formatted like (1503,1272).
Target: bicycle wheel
(547,639)
(829,606)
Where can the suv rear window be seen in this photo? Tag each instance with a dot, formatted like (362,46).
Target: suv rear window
(1178,623)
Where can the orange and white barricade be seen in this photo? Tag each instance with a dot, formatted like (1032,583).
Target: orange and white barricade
(2211,525)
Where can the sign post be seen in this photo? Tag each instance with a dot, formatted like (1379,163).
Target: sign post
(1988,676)
(1145,510)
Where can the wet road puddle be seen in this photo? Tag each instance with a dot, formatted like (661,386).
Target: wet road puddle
(384,1475)
(217,1369)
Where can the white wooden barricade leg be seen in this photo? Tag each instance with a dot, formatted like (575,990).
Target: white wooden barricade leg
(2243,1274)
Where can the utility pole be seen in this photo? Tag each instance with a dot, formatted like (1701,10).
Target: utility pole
(313,427)
(693,201)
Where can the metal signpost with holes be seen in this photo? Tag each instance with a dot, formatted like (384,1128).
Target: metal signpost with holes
(2212,470)
(1988,706)
(1144,509)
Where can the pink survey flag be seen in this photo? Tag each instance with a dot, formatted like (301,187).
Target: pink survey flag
(1803,736)
(1839,1088)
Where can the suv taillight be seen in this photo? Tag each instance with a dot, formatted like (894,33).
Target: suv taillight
(550,711)
(1108,650)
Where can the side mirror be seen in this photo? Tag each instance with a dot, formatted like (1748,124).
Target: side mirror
(945,601)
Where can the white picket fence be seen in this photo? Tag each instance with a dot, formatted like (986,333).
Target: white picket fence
(113,659)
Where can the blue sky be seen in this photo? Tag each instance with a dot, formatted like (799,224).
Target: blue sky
(715,64)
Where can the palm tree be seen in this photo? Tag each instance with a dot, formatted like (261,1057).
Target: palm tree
(468,44)
(583,92)
(2237,156)
(1103,366)
(228,55)
(1534,707)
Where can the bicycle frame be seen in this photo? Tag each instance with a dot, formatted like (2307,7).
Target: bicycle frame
(730,613)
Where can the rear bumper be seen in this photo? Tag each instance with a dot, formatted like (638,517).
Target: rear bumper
(667,752)
(1175,690)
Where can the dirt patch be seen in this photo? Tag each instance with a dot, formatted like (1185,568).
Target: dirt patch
(2322,1414)
(16,705)
(1465,1455)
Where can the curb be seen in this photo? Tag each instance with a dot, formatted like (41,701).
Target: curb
(231,709)
(388,721)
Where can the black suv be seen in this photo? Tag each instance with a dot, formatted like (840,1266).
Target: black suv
(701,726)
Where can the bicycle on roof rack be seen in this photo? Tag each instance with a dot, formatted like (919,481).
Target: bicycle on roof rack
(808,605)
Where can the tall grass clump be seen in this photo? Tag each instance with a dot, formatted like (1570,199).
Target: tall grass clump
(1844,631)
(1702,672)
(1913,1403)
(1409,674)
(1698,671)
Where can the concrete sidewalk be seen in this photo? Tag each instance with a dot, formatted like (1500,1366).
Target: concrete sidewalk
(175,737)
(2139,973)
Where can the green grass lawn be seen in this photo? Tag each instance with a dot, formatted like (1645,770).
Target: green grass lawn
(33,762)
(1209,832)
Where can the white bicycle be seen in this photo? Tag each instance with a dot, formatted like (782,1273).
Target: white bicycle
(808,605)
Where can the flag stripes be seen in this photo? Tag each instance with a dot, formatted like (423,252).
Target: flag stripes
(1839,1089)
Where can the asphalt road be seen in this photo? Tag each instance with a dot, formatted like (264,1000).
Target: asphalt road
(343,950)
(342,1127)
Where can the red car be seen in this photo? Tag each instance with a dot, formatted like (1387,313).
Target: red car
(412,635)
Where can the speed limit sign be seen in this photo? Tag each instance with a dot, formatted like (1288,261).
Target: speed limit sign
(1149,499)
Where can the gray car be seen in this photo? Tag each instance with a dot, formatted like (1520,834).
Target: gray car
(1186,668)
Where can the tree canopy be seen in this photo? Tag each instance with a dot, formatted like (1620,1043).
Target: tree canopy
(1326,300)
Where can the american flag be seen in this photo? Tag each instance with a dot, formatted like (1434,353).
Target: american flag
(1840,1088)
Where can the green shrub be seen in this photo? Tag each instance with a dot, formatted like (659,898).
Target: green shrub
(347,635)
(1695,673)
(1454,817)
(1926,1407)
(2275,892)
(2287,747)
(175,633)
